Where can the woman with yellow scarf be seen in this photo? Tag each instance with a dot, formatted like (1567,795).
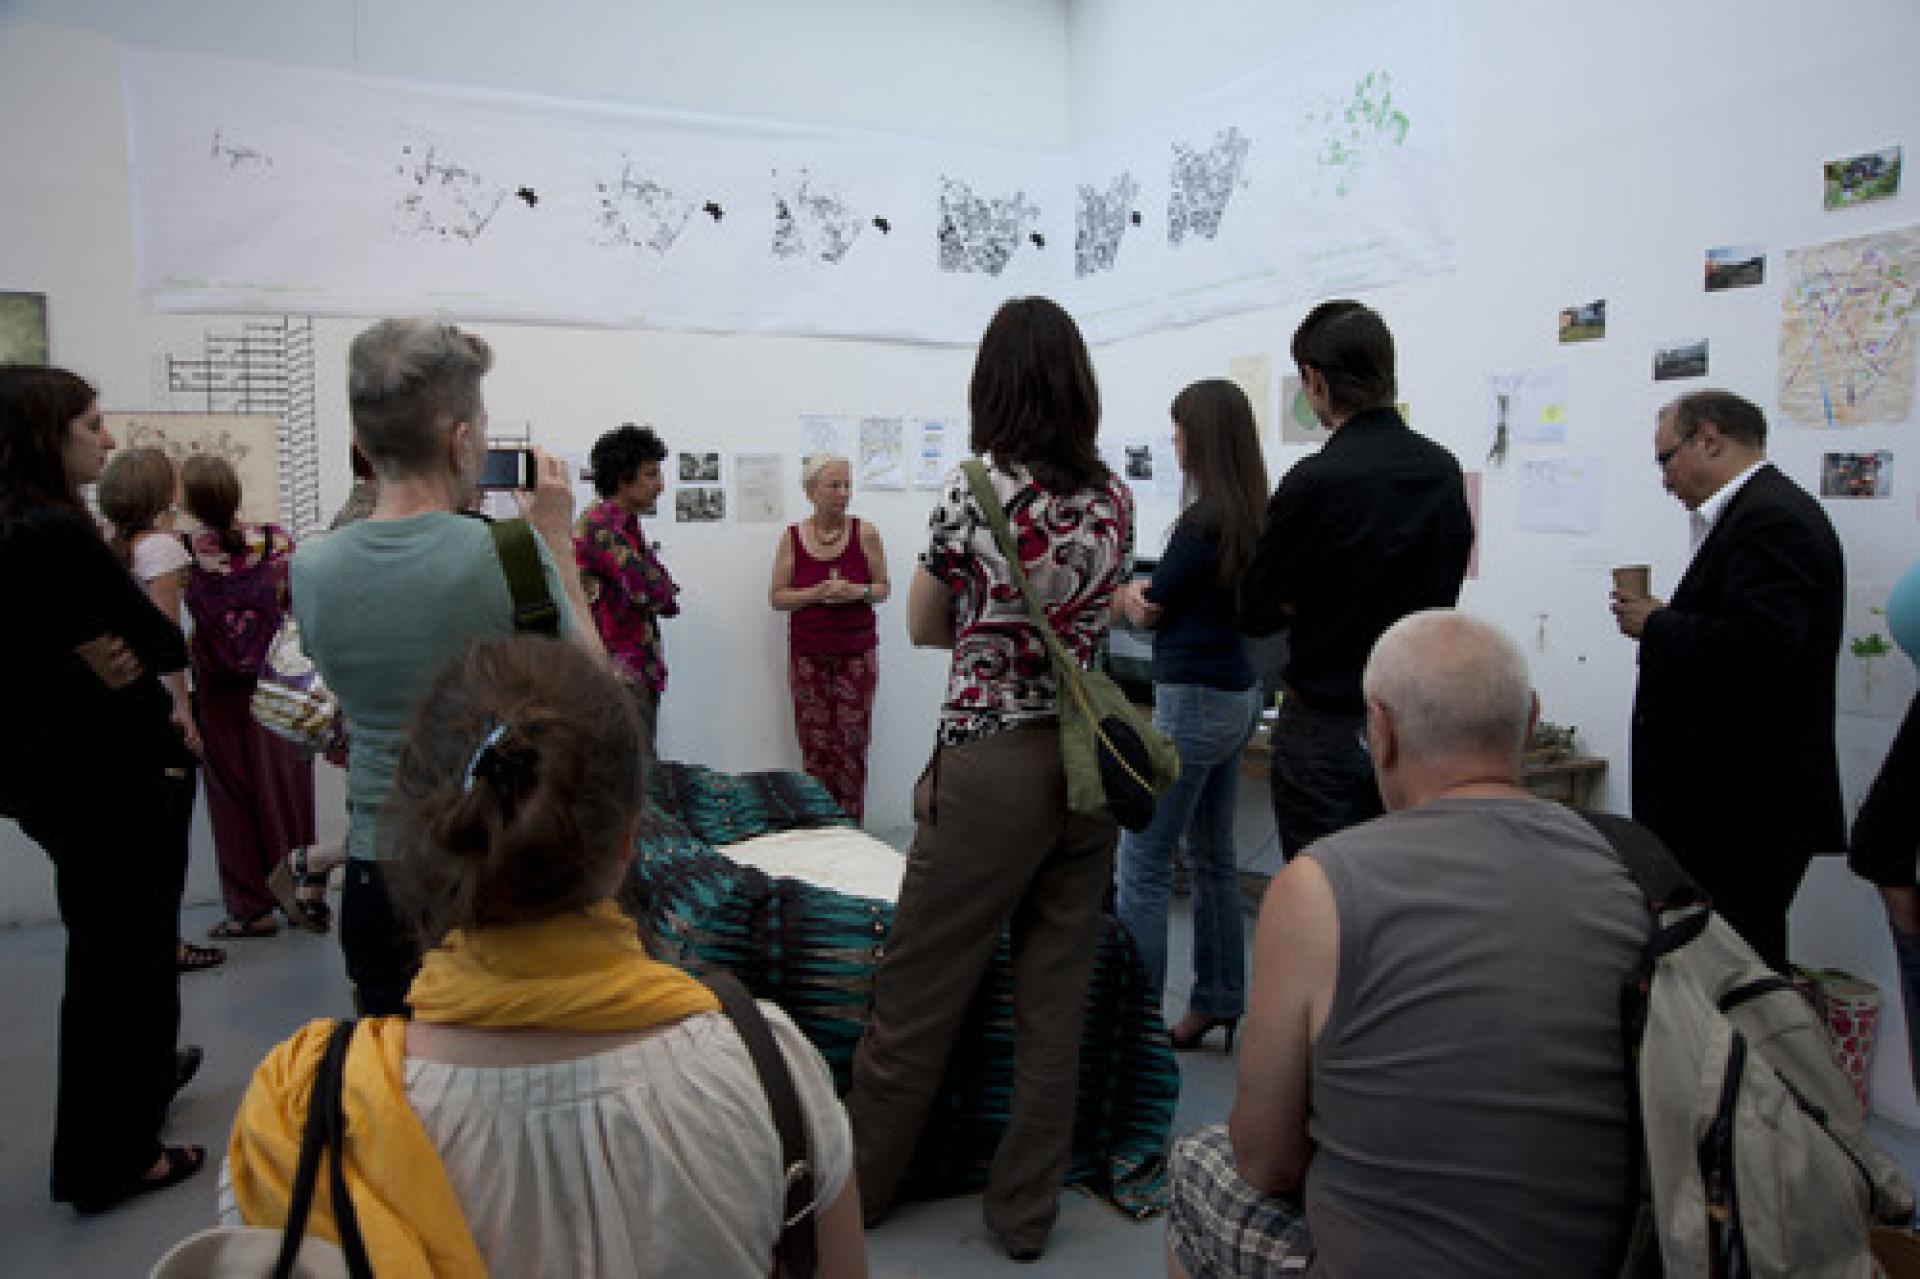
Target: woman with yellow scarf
(560,1103)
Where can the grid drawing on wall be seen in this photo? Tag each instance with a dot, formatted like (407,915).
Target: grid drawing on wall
(266,366)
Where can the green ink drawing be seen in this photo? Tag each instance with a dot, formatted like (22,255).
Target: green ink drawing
(1355,131)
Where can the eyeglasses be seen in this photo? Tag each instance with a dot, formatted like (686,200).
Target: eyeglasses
(1665,456)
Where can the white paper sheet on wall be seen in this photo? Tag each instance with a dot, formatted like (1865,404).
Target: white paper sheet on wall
(826,433)
(757,491)
(882,463)
(939,446)
(260,187)
(1562,494)
(1526,407)
(1876,679)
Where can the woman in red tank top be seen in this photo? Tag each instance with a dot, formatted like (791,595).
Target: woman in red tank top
(828,573)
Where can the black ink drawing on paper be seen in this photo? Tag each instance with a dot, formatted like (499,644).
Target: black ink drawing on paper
(981,233)
(637,210)
(812,221)
(235,155)
(1101,222)
(1202,183)
(442,198)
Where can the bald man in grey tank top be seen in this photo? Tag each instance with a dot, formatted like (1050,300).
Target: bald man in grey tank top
(1433,1080)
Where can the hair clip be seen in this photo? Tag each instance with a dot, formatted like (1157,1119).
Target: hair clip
(479,756)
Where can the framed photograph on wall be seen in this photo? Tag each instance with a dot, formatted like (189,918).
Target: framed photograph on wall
(23,328)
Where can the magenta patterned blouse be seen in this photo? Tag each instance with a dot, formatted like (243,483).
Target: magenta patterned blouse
(628,589)
(1076,548)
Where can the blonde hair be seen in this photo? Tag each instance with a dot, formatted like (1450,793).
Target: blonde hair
(813,464)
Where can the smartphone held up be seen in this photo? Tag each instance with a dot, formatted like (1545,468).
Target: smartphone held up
(507,469)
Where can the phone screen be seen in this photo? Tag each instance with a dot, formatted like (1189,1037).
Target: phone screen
(507,469)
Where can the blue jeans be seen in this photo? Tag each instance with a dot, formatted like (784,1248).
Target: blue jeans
(1208,726)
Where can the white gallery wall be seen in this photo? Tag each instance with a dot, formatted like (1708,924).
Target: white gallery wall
(1601,150)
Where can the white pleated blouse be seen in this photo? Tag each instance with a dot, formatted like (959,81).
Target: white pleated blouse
(655,1158)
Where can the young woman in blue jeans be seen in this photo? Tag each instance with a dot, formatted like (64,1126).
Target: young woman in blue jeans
(1205,698)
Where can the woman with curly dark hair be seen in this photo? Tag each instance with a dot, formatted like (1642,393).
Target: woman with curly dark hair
(89,758)
(995,846)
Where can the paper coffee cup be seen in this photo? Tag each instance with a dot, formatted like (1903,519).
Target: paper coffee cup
(1633,581)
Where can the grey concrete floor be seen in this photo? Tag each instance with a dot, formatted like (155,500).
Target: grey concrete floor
(269,987)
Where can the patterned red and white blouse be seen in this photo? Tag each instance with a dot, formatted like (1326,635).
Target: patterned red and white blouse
(1076,549)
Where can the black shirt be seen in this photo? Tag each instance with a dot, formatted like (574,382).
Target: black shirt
(1372,527)
(64,587)
(1198,640)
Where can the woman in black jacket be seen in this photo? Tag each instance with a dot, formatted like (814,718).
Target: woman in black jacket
(89,766)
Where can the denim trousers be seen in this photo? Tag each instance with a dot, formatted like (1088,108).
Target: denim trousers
(1320,773)
(1208,726)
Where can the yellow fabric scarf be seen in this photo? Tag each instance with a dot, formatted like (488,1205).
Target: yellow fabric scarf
(579,972)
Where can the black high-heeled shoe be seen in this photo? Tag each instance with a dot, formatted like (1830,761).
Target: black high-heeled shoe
(1202,1028)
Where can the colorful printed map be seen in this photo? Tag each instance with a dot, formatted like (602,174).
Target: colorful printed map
(1846,331)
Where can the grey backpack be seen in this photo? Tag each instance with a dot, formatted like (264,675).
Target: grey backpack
(1756,1156)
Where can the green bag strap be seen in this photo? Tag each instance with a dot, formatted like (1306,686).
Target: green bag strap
(1065,670)
(534,612)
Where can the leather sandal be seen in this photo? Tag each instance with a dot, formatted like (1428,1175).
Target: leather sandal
(181,1163)
(286,880)
(259,926)
(189,958)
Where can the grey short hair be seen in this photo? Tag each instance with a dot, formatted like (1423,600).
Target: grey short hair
(408,380)
(1454,686)
(814,463)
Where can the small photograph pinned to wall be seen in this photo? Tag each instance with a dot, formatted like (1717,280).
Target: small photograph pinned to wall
(23,328)
(1585,323)
(1680,359)
(699,468)
(1858,179)
(1298,425)
(1735,266)
(1139,461)
(1857,474)
(699,505)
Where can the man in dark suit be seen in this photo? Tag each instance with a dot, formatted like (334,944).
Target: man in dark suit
(1369,529)
(1733,748)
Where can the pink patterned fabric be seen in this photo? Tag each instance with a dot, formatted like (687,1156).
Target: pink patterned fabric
(833,717)
(628,589)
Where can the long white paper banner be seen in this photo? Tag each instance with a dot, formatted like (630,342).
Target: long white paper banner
(263,188)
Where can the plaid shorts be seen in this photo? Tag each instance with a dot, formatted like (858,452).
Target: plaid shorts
(1218,1225)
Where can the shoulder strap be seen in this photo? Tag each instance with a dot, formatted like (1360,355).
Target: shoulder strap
(989,503)
(534,612)
(1661,880)
(325,1132)
(794,1251)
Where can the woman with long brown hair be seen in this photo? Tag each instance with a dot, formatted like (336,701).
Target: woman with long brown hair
(86,742)
(1206,699)
(995,846)
(259,788)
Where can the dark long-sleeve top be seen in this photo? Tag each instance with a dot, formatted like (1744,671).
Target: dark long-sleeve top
(64,587)
(1369,529)
(1198,640)
(1886,834)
